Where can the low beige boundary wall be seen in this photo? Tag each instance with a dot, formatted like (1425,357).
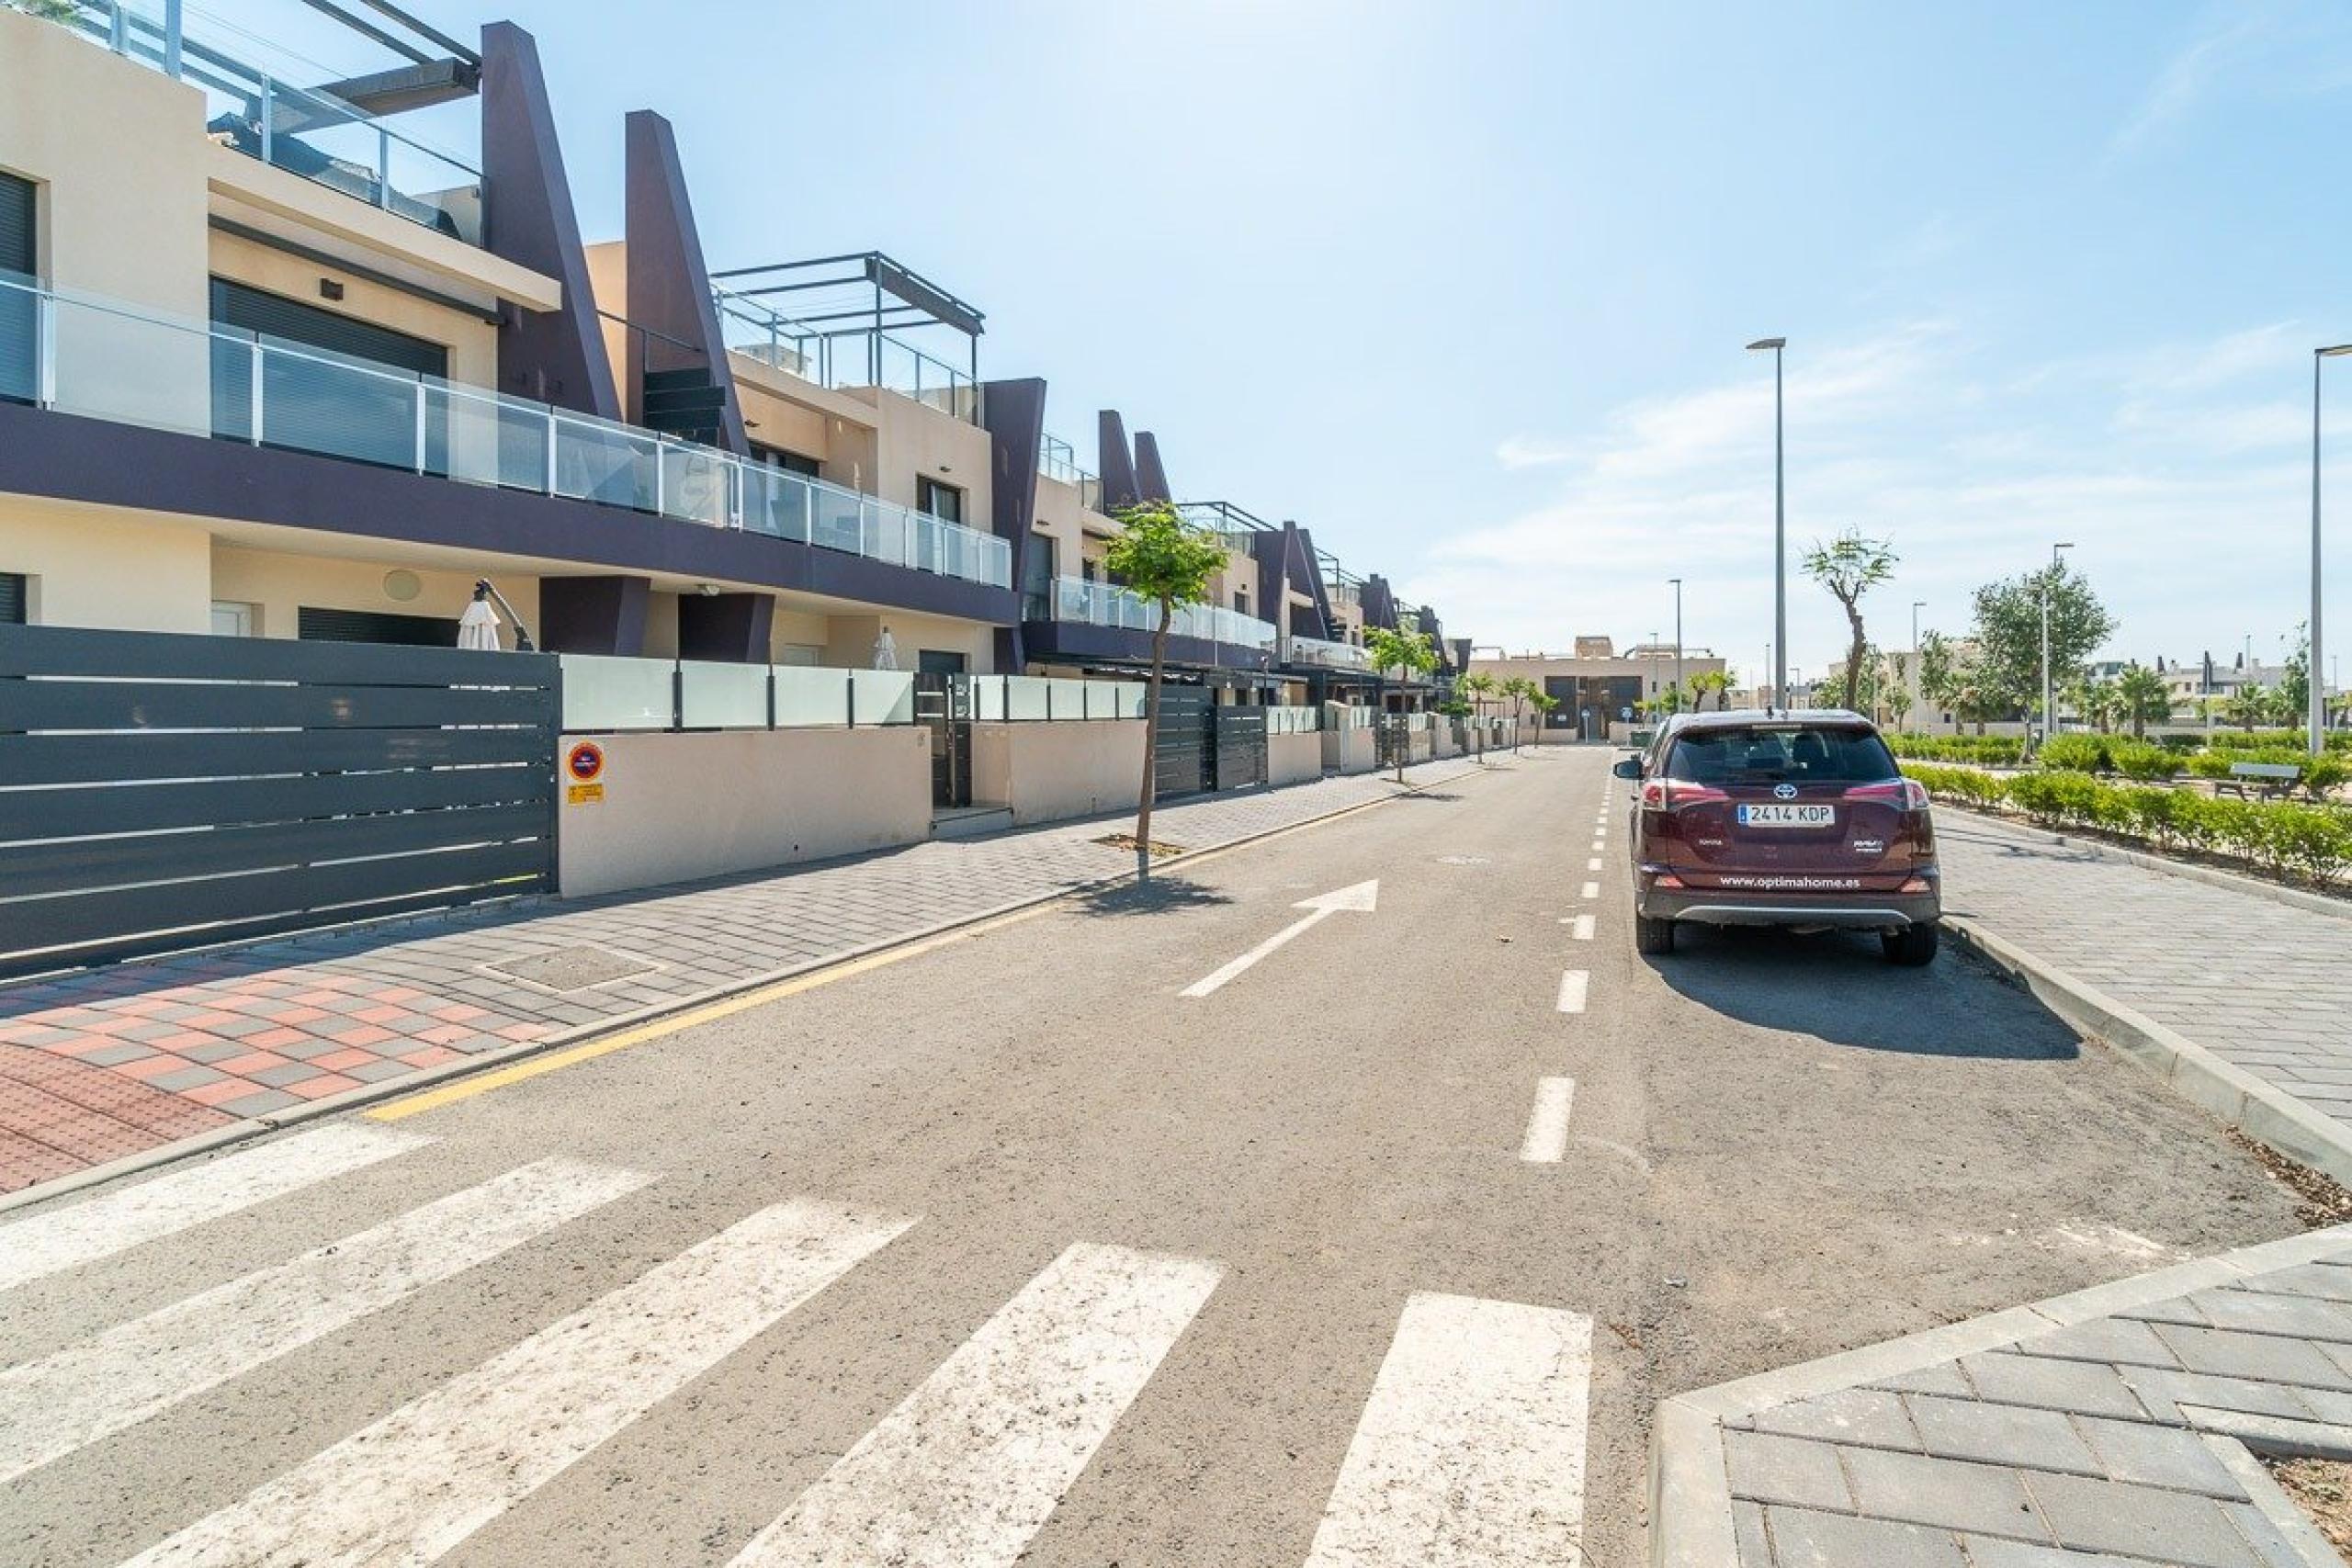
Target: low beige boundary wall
(1350,750)
(1047,772)
(674,807)
(1293,758)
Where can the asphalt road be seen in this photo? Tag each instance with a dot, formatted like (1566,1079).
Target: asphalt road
(1012,1246)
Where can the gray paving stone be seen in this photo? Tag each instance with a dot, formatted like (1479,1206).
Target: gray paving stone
(259,1103)
(1948,1492)
(2159,1456)
(2261,1357)
(115,1056)
(1986,1551)
(1807,1540)
(186,1078)
(2011,1378)
(2112,1340)
(2164,1392)
(2171,1527)
(2275,1550)
(1747,1538)
(2259,1313)
(2000,1434)
(1861,1415)
(1784,1470)
(1944,1378)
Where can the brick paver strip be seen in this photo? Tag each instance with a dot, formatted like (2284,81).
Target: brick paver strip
(163,1050)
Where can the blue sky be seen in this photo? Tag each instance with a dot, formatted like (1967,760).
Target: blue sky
(1463,287)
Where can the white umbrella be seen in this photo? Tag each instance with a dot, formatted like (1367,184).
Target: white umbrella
(478,628)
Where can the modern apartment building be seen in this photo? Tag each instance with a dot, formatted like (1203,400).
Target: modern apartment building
(272,366)
(1601,692)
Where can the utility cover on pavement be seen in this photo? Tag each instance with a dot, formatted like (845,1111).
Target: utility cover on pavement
(572,968)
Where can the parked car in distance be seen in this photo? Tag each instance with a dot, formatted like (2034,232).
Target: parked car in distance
(1767,817)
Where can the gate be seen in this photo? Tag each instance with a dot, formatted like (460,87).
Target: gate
(1186,754)
(160,791)
(945,703)
(1395,740)
(1241,747)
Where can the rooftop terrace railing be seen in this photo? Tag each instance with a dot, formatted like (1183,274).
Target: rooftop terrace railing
(842,357)
(297,129)
(107,361)
(1104,604)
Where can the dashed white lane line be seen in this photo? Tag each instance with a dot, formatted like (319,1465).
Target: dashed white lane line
(1592,890)
(63,1238)
(1573,984)
(1546,1139)
(92,1390)
(1593,864)
(966,1470)
(1583,931)
(409,1488)
(1471,1452)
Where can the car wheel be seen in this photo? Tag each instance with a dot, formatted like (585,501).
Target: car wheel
(1912,946)
(1652,936)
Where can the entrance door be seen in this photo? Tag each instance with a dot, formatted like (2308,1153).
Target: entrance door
(943,702)
(1186,757)
(1241,747)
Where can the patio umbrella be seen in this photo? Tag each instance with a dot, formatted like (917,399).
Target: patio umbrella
(478,628)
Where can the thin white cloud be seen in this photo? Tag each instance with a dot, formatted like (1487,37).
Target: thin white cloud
(2244,48)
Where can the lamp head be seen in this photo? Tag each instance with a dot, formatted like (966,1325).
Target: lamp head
(1769,342)
(2340,348)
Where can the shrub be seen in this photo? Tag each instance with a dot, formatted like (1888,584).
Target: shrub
(2315,840)
(2136,760)
(2183,744)
(1970,785)
(2077,753)
(2210,765)
(2323,773)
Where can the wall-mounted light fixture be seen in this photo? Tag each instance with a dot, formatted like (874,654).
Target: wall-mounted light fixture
(330,289)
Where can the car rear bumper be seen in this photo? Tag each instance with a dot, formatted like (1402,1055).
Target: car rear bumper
(1856,910)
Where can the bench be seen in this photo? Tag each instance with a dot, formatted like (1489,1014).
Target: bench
(2269,781)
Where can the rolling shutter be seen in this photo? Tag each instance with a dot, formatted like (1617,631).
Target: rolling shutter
(314,625)
(12,598)
(18,314)
(333,404)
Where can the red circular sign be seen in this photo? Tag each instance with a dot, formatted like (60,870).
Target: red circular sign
(585,761)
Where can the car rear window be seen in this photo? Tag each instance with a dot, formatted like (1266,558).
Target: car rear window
(1795,753)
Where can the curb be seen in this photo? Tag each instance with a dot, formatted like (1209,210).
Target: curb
(1689,1500)
(2212,877)
(2260,1109)
(506,1056)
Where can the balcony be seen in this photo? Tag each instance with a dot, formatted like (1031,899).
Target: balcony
(1103,605)
(310,132)
(841,336)
(80,355)
(1324,655)
(1058,459)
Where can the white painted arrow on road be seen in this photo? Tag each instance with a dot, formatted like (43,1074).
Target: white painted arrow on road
(1358,898)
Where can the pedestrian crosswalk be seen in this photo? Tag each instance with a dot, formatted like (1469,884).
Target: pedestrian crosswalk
(1469,1451)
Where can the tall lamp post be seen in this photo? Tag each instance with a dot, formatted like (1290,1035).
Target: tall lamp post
(1678,641)
(2316,719)
(2047,584)
(1780,525)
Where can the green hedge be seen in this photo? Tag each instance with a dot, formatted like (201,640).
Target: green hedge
(2314,842)
(1995,751)
(2296,740)
(2108,754)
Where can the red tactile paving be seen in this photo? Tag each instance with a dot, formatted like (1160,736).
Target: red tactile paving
(58,1115)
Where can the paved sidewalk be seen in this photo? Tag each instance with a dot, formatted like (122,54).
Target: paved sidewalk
(2264,985)
(103,1065)
(2100,1430)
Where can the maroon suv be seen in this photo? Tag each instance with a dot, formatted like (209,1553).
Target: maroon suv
(1764,817)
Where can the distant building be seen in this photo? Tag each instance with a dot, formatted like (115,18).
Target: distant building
(1598,689)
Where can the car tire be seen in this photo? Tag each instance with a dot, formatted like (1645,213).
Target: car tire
(1912,947)
(1652,936)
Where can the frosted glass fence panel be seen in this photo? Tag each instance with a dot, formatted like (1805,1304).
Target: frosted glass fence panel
(602,693)
(1114,699)
(722,696)
(1288,720)
(1025,698)
(807,696)
(1066,698)
(882,696)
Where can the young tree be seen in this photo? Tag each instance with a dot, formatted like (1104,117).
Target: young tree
(1164,559)
(1408,652)
(2008,668)
(2295,688)
(2142,698)
(1480,688)
(1939,670)
(1542,703)
(1849,566)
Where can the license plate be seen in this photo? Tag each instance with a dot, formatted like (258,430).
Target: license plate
(1773,813)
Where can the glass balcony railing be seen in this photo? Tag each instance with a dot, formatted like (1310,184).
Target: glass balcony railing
(106,361)
(843,359)
(1326,654)
(1056,459)
(1104,604)
(297,129)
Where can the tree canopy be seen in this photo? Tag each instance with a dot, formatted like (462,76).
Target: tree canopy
(1847,567)
(2006,671)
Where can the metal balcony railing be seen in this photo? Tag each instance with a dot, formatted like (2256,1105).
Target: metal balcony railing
(83,355)
(1103,605)
(843,358)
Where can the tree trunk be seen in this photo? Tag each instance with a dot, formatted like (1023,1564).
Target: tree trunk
(1854,658)
(1150,747)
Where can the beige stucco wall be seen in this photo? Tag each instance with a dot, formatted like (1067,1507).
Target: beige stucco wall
(92,566)
(1048,772)
(1293,758)
(1350,750)
(849,640)
(1064,516)
(915,438)
(279,582)
(713,802)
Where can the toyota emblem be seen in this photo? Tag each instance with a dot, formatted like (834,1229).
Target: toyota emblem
(1784,792)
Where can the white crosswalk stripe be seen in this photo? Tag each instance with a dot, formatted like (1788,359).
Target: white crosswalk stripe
(411,1487)
(86,1392)
(1471,1451)
(65,1238)
(969,1467)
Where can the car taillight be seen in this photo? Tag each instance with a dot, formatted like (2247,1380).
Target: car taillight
(1908,794)
(1666,794)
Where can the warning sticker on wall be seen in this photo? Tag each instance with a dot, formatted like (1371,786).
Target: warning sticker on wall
(585,762)
(582,795)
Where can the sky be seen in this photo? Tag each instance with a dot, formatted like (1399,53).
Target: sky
(1463,287)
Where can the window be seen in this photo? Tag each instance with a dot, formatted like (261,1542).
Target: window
(371,626)
(20,342)
(1241,601)
(1797,754)
(942,501)
(800,655)
(13,599)
(354,398)
(790,462)
(231,619)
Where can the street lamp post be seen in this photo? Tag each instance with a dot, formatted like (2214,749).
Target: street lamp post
(1678,641)
(1780,523)
(2047,584)
(2316,718)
